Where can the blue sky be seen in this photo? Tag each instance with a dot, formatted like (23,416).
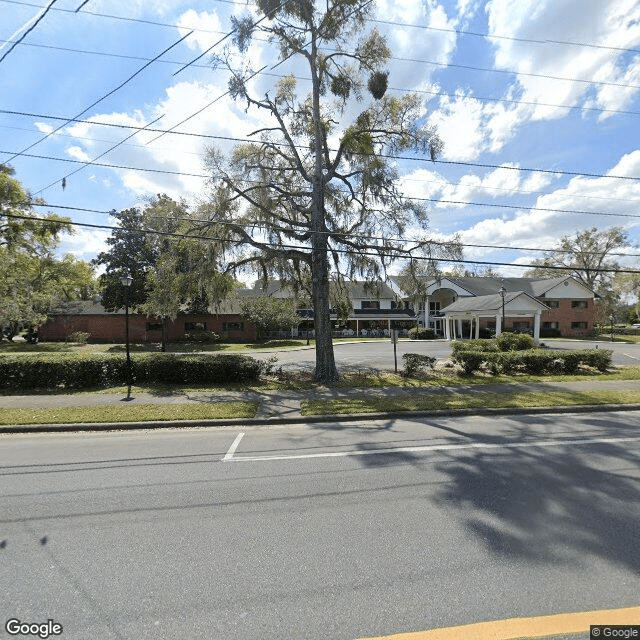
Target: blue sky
(488,71)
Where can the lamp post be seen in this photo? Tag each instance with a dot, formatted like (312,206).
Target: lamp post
(126,281)
(502,292)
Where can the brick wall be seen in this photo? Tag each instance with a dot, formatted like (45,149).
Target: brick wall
(565,314)
(111,327)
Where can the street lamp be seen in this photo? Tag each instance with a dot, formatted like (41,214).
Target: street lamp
(126,281)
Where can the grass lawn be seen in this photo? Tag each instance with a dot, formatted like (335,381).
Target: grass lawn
(129,413)
(371,404)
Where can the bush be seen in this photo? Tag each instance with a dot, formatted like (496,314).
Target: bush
(418,333)
(78,336)
(415,363)
(471,361)
(550,333)
(484,346)
(80,371)
(514,341)
(202,337)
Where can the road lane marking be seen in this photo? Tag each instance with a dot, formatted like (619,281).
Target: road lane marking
(512,628)
(630,356)
(418,449)
(233,447)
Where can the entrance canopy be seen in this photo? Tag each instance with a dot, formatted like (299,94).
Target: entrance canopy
(516,304)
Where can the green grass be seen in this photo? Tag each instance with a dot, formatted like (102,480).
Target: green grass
(129,413)
(465,401)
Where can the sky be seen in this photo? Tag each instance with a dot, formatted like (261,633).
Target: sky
(537,103)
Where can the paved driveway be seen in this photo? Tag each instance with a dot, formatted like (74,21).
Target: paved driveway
(379,354)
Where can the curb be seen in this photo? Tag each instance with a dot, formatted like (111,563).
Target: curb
(265,422)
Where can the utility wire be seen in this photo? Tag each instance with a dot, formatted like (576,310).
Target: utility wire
(106,95)
(261,72)
(247,140)
(112,212)
(29,30)
(387,254)
(63,180)
(82,5)
(464,32)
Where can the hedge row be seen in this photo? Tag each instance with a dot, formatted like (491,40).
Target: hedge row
(79,371)
(504,342)
(419,333)
(534,361)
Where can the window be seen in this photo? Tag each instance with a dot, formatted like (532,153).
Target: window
(195,326)
(233,326)
(434,306)
(578,304)
(579,325)
(370,304)
(522,325)
(154,326)
(550,325)
(552,304)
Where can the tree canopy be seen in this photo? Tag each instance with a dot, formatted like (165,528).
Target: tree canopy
(319,186)
(33,280)
(171,270)
(588,256)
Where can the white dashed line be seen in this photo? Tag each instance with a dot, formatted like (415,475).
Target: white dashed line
(438,447)
(233,447)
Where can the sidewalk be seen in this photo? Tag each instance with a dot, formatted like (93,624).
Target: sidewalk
(284,406)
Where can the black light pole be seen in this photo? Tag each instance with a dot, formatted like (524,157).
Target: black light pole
(126,281)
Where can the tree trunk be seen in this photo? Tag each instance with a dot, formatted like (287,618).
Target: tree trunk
(326,371)
(165,333)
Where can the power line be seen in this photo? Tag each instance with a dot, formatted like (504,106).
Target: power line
(206,176)
(306,248)
(444,94)
(106,95)
(29,30)
(464,32)
(484,165)
(334,233)
(91,162)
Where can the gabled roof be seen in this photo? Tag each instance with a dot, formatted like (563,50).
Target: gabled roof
(491,302)
(535,287)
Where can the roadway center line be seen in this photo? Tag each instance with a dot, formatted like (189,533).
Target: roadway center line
(518,628)
(630,356)
(233,447)
(435,447)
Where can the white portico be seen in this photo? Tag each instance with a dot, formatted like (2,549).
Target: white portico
(462,317)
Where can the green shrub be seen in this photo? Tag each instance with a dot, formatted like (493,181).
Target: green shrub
(78,336)
(550,333)
(514,341)
(415,363)
(81,371)
(471,361)
(599,359)
(202,337)
(418,333)
(481,345)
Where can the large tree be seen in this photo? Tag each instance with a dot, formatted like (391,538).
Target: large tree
(33,280)
(171,271)
(319,185)
(589,256)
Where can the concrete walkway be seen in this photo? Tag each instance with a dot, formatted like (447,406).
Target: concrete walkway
(284,406)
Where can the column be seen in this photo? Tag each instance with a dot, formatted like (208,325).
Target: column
(446,328)
(459,329)
(498,324)
(426,312)
(536,327)
(477,327)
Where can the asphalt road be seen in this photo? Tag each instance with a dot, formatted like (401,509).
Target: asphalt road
(321,531)
(379,355)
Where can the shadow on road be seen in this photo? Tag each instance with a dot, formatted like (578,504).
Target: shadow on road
(530,502)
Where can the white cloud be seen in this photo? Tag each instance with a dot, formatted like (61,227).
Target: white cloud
(85,244)
(209,28)
(615,23)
